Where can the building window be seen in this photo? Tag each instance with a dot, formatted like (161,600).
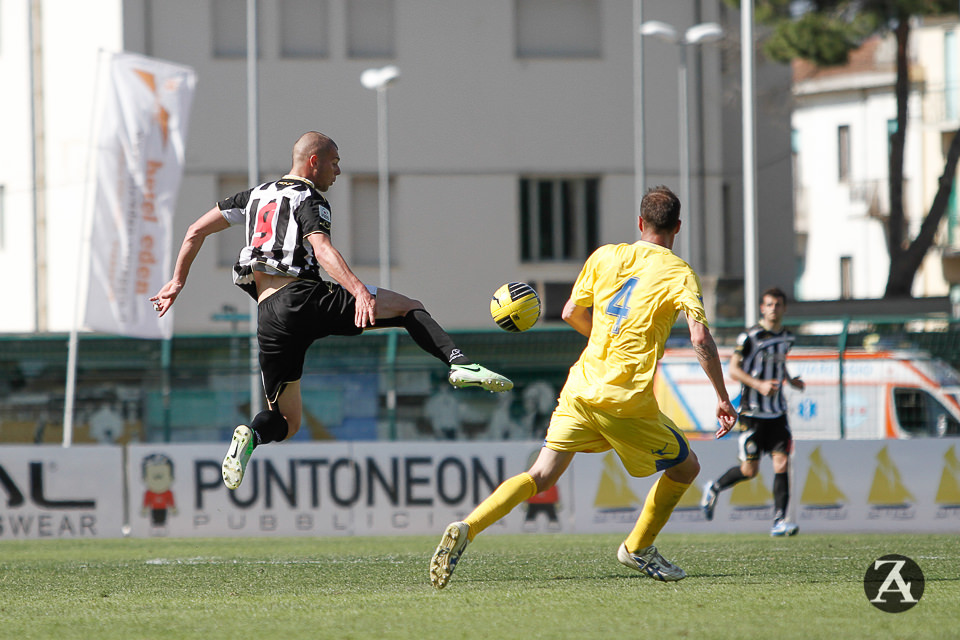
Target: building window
(230,29)
(230,241)
(303,28)
(558,28)
(843,152)
(558,218)
(370,29)
(554,296)
(846,277)
(365,220)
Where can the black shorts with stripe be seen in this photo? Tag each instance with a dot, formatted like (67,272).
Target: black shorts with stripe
(764,435)
(291,319)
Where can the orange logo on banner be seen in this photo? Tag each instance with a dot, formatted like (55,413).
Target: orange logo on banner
(161,116)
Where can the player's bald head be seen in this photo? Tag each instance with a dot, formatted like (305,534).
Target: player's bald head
(309,144)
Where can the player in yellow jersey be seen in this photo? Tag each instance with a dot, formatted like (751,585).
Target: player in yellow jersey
(626,300)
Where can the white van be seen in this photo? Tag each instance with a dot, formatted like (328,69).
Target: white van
(885,394)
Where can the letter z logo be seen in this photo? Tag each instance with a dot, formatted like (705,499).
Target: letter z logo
(893,583)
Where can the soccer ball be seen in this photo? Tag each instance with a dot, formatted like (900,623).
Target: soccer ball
(515,307)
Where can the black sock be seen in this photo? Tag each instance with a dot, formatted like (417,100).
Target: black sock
(269,426)
(431,337)
(730,478)
(781,495)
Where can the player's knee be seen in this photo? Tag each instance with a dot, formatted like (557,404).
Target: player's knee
(685,472)
(543,481)
(412,305)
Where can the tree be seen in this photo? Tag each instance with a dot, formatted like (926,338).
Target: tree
(825,32)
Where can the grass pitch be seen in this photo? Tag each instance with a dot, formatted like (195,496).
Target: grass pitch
(507,586)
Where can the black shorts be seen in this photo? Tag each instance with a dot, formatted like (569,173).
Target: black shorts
(291,319)
(764,435)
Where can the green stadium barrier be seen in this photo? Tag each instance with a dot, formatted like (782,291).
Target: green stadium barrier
(122,381)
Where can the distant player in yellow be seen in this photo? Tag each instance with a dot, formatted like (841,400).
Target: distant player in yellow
(625,300)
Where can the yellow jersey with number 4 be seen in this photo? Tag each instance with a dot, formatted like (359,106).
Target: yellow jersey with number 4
(636,291)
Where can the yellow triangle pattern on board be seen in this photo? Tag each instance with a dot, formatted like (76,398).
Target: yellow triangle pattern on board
(887,487)
(751,493)
(949,491)
(691,498)
(613,490)
(669,403)
(820,488)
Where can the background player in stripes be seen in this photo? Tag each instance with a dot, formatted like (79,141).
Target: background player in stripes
(759,363)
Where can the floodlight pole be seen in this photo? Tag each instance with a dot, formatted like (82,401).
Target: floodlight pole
(253,177)
(689,240)
(380,80)
(688,232)
(383,185)
(750,262)
(639,133)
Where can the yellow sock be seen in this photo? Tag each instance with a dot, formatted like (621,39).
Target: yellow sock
(663,497)
(512,492)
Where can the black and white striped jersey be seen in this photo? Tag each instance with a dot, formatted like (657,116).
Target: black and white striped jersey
(764,356)
(278,216)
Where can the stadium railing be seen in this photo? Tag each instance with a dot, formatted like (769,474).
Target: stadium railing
(127,391)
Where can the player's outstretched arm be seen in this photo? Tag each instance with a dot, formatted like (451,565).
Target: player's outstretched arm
(706,350)
(337,268)
(210,222)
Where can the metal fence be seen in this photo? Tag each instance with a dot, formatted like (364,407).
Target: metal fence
(197,388)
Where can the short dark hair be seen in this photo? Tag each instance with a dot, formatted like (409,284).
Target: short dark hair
(774,292)
(155,459)
(660,207)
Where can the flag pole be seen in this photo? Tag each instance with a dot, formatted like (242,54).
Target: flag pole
(83,266)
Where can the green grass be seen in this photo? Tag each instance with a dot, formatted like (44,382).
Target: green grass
(543,586)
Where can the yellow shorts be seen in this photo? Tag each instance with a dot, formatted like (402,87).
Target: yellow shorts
(644,445)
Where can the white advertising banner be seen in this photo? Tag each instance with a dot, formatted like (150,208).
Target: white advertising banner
(139,164)
(836,486)
(334,489)
(52,492)
(321,489)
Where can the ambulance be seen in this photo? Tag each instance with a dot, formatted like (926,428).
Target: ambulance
(884,394)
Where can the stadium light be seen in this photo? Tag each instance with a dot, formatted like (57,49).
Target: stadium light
(379,78)
(698,34)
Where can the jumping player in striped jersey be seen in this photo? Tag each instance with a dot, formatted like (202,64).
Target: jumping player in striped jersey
(287,229)
(759,363)
(626,301)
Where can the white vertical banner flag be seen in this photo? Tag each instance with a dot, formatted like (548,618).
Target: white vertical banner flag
(139,163)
